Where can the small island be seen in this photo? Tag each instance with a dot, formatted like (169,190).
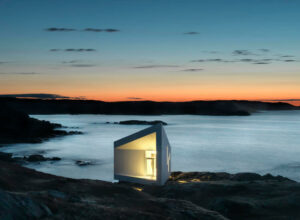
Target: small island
(138,122)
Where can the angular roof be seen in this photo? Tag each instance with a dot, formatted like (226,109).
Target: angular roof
(147,131)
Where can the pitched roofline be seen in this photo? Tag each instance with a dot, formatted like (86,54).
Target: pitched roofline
(139,134)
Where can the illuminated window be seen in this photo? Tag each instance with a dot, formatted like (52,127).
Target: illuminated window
(150,159)
(137,158)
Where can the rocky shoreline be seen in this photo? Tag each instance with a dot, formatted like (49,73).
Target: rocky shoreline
(18,127)
(29,194)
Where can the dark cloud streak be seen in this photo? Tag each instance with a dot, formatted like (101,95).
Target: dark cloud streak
(211,60)
(244,60)
(135,98)
(54,50)
(54,29)
(70,62)
(287,56)
(193,70)
(264,50)
(191,33)
(74,50)
(108,30)
(289,60)
(210,51)
(4,62)
(34,95)
(111,30)
(93,30)
(82,65)
(77,63)
(79,50)
(155,66)
(242,52)
(21,73)
(261,63)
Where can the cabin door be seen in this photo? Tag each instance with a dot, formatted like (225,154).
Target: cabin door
(150,163)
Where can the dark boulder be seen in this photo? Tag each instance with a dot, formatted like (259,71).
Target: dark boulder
(55,158)
(40,158)
(36,158)
(6,157)
(83,163)
(74,132)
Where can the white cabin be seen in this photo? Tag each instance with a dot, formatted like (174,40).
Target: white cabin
(143,157)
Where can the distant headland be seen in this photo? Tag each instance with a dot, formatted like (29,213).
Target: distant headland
(217,108)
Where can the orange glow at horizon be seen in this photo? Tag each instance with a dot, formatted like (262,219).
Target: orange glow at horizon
(163,87)
(170,94)
(174,98)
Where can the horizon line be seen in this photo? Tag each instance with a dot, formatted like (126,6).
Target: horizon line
(60,97)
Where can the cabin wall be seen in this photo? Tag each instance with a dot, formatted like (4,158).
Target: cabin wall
(165,156)
(129,162)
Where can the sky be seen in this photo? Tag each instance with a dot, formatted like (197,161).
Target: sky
(161,50)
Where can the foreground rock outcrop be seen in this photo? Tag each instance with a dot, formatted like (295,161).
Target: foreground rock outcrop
(236,196)
(28,194)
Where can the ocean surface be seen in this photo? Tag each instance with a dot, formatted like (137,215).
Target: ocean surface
(265,142)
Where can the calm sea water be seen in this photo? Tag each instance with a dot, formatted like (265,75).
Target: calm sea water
(266,142)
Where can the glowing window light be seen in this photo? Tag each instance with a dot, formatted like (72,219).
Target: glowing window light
(150,157)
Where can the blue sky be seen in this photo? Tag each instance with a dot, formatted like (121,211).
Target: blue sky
(155,35)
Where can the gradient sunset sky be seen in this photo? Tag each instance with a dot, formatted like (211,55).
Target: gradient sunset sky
(163,50)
